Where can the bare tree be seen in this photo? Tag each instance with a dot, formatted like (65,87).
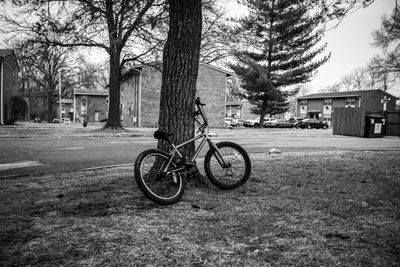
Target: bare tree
(234,89)
(42,65)
(336,87)
(386,68)
(216,34)
(92,75)
(115,26)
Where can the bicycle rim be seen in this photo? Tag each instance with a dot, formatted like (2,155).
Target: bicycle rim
(160,187)
(239,168)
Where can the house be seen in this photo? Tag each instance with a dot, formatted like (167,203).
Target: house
(8,83)
(67,108)
(241,109)
(141,88)
(320,106)
(90,104)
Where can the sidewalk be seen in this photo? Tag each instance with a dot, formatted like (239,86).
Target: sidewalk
(56,130)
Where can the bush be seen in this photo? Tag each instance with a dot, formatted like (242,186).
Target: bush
(19,108)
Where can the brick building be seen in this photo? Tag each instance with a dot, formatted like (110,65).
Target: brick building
(241,109)
(92,104)
(320,105)
(67,108)
(141,88)
(8,82)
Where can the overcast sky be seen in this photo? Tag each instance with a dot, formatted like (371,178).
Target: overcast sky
(350,43)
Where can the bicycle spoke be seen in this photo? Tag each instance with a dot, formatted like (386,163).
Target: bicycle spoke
(237,168)
(160,186)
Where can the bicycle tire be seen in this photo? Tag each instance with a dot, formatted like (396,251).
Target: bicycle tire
(160,188)
(231,177)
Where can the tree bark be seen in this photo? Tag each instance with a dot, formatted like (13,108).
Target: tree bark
(50,110)
(114,114)
(263,110)
(180,68)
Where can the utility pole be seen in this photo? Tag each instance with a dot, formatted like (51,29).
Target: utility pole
(59,92)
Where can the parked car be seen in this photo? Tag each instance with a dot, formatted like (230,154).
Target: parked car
(67,120)
(270,122)
(252,123)
(280,124)
(313,123)
(233,122)
(294,122)
(56,121)
(227,122)
(237,122)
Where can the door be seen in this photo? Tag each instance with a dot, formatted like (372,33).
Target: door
(96,116)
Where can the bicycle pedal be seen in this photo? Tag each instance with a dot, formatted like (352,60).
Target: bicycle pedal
(189,163)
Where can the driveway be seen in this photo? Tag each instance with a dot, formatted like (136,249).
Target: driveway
(61,153)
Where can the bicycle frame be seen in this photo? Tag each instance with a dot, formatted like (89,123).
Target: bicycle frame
(204,135)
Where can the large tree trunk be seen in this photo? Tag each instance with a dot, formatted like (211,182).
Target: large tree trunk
(50,111)
(180,67)
(263,110)
(114,114)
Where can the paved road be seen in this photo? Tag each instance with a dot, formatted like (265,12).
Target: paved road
(25,156)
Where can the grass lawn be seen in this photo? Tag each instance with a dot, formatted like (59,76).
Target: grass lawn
(298,209)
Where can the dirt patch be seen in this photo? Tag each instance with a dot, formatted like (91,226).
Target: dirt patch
(302,209)
(57,130)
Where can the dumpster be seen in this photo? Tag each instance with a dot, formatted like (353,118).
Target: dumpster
(374,126)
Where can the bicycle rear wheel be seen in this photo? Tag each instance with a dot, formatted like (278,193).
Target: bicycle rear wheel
(238,168)
(157,185)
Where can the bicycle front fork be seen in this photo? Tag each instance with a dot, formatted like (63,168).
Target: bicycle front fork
(218,155)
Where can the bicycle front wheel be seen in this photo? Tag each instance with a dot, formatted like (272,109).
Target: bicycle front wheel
(161,187)
(235,173)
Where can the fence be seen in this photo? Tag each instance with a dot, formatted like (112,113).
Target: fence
(393,123)
(351,121)
(348,121)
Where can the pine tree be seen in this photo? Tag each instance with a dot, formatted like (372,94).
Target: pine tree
(280,103)
(280,38)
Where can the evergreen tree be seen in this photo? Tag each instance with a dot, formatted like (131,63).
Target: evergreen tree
(280,103)
(280,38)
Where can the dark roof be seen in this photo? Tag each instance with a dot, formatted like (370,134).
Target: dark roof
(228,73)
(6,52)
(84,91)
(342,94)
(66,101)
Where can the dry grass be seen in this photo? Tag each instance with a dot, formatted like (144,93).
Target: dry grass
(56,130)
(311,209)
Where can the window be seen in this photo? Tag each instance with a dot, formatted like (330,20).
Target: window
(328,101)
(303,106)
(83,108)
(96,116)
(350,102)
(238,112)
(327,117)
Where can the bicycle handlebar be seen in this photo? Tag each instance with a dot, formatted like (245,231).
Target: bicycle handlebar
(198,102)
(200,112)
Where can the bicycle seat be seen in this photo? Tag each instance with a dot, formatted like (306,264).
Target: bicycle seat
(162,135)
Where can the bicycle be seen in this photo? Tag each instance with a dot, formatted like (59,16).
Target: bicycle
(160,174)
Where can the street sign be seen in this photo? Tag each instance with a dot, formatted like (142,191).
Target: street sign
(385,100)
